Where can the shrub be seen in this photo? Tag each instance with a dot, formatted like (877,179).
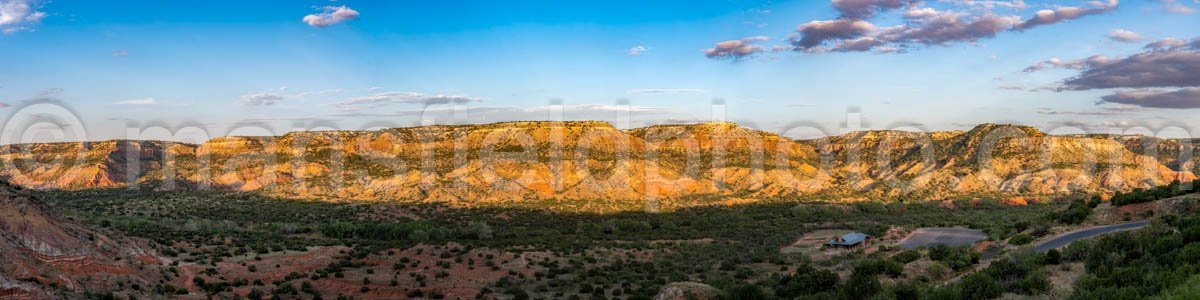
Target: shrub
(744,292)
(807,280)
(956,258)
(980,285)
(255,294)
(1020,239)
(907,256)
(1053,257)
(861,286)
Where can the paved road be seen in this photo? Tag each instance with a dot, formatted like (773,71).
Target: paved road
(1058,242)
(1066,238)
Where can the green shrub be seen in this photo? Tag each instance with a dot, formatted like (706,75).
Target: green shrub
(980,285)
(1020,239)
(907,256)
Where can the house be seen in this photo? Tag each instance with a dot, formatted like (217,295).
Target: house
(848,241)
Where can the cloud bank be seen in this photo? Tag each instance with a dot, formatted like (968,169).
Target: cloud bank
(1164,75)
(921,24)
(1173,66)
(1177,99)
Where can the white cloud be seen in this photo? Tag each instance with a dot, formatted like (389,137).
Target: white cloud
(142,101)
(317,93)
(1173,6)
(991,4)
(637,50)
(261,99)
(19,15)
(382,99)
(737,49)
(1126,36)
(120,53)
(273,96)
(331,15)
(667,91)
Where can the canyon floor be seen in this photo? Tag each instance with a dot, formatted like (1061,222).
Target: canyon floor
(198,245)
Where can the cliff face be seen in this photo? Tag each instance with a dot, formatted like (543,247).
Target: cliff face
(39,250)
(82,164)
(594,162)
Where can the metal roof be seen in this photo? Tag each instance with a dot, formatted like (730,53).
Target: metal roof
(849,239)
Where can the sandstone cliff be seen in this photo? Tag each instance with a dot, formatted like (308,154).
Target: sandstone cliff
(593,163)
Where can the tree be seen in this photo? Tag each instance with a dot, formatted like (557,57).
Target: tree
(744,292)
(1020,239)
(861,286)
(255,294)
(481,230)
(980,285)
(807,280)
(1053,257)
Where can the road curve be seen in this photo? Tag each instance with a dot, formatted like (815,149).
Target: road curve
(1063,239)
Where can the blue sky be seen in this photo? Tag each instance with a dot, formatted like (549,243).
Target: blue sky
(220,63)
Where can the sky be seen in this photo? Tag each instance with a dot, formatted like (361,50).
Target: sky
(192,70)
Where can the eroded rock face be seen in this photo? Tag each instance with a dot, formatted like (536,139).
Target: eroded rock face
(990,158)
(83,165)
(39,250)
(592,161)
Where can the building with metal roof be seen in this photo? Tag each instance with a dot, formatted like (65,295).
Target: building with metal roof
(849,240)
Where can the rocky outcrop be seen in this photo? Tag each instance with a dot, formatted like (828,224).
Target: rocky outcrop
(688,291)
(595,164)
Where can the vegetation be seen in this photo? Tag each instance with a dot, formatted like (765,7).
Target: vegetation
(725,247)
(1162,192)
(1139,264)
(634,254)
